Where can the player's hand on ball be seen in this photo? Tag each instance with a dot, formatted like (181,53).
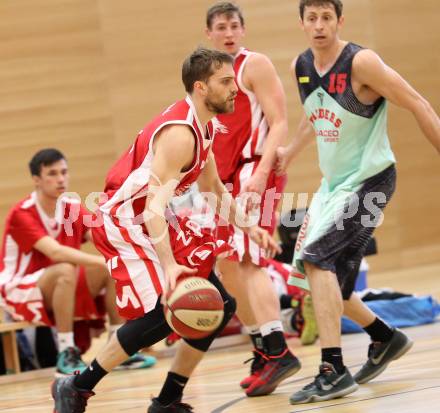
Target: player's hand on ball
(264,240)
(172,273)
(195,308)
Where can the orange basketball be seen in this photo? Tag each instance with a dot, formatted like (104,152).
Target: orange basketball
(194,309)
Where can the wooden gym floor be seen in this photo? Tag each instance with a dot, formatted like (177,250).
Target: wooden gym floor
(103,46)
(411,384)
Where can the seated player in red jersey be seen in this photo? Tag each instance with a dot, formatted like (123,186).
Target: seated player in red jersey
(44,277)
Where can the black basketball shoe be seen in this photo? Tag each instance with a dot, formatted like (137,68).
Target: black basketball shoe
(175,407)
(381,354)
(68,398)
(328,384)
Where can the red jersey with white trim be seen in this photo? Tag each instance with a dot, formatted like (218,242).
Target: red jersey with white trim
(127,182)
(242,133)
(279,273)
(25,225)
(195,246)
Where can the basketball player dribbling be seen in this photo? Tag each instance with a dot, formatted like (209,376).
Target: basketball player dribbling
(344,89)
(169,154)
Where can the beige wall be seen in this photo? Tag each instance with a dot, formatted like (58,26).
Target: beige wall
(86,75)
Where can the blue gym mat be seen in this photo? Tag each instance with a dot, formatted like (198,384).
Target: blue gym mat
(401,312)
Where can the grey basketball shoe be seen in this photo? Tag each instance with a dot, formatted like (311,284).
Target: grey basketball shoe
(328,384)
(381,354)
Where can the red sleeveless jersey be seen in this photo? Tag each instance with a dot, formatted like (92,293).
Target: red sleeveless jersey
(127,181)
(26,224)
(243,132)
(21,265)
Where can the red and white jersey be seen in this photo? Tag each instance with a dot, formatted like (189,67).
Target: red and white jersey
(243,132)
(279,273)
(195,246)
(25,225)
(127,182)
(135,266)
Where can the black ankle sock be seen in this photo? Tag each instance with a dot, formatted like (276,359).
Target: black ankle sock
(90,377)
(172,389)
(379,331)
(297,321)
(274,343)
(333,355)
(289,301)
(257,341)
(285,301)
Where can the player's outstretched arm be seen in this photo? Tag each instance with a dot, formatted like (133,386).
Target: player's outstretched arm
(370,70)
(56,252)
(173,151)
(263,80)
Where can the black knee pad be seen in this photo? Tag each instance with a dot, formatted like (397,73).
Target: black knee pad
(229,309)
(230,306)
(144,331)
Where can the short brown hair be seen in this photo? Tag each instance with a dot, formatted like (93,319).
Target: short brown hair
(225,7)
(44,157)
(337,4)
(201,65)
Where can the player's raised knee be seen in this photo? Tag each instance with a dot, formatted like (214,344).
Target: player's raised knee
(67,273)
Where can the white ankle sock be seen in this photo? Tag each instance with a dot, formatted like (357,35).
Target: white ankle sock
(252,329)
(270,327)
(65,340)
